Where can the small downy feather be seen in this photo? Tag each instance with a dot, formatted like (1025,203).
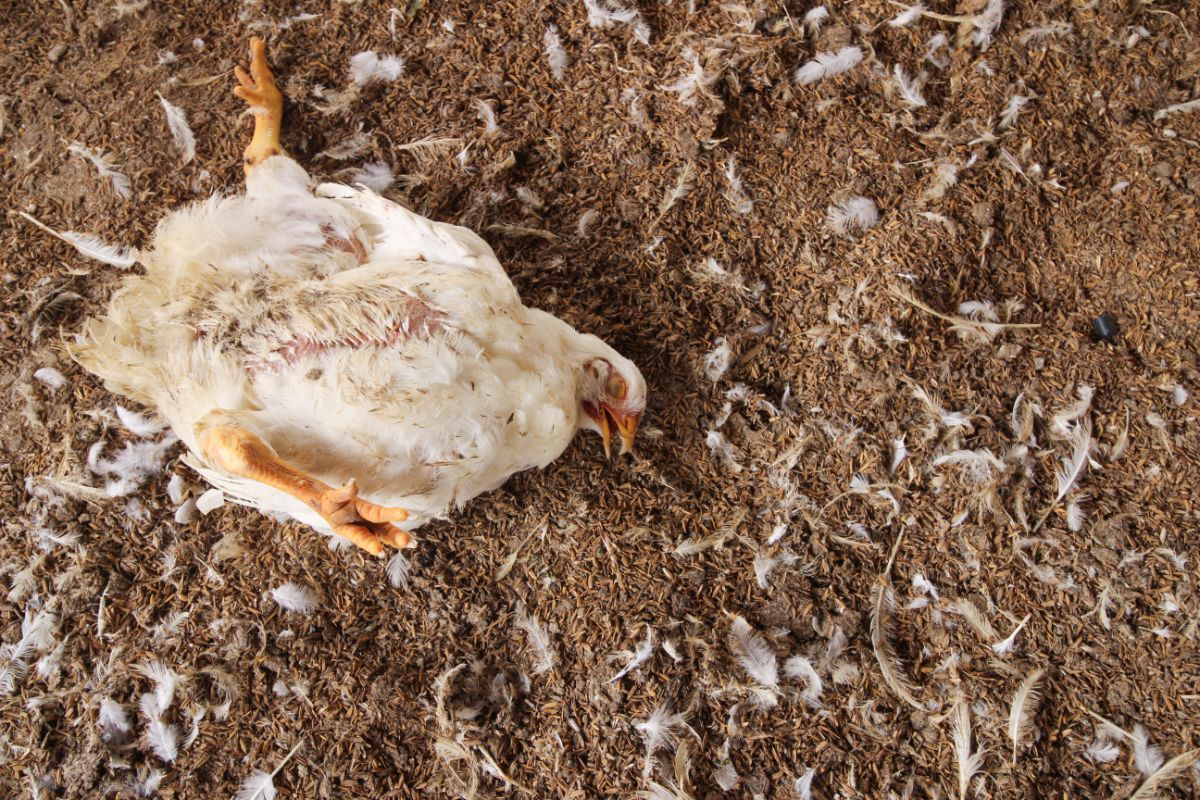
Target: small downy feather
(885,656)
(908,16)
(37,635)
(1009,115)
(105,166)
(163,739)
(1060,423)
(756,657)
(814,19)
(177,122)
(559,61)
(376,176)
(211,500)
(1021,713)
(910,90)
(1005,646)
(659,731)
(638,657)
(987,22)
(1146,757)
(855,215)
(259,786)
(51,378)
(606,14)
(1165,774)
(398,569)
(679,190)
(369,67)
(716,361)
(737,192)
(139,424)
(968,763)
(113,719)
(294,597)
(165,680)
(488,115)
(899,453)
(801,668)
(825,65)
(1103,750)
(539,641)
(804,784)
(90,246)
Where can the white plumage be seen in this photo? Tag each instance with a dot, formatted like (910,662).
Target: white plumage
(360,340)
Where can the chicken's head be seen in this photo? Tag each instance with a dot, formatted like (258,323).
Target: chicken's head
(612,397)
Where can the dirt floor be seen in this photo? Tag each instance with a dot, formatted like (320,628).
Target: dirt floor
(764,489)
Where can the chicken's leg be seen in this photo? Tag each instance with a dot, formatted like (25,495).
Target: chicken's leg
(236,450)
(266,103)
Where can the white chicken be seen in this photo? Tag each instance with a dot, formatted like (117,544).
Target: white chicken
(327,354)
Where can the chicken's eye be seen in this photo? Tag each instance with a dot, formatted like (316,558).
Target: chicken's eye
(616,387)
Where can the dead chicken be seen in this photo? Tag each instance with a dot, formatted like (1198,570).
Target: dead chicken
(329,355)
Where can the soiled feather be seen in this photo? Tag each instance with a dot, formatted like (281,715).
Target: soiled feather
(825,65)
(90,246)
(185,140)
(968,763)
(756,657)
(1024,706)
(294,597)
(885,656)
(682,186)
(660,730)
(987,22)
(737,193)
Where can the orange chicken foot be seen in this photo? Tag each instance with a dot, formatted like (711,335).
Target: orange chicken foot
(366,524)
(266,103)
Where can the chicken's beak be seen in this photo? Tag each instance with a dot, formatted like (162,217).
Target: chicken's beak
(626,425)
(605,431)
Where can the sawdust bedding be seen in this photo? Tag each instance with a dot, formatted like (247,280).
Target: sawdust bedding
(891,485)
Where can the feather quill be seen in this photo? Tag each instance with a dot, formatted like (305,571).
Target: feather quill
(968,763)
(1024,706)
(90,246)
(177,122)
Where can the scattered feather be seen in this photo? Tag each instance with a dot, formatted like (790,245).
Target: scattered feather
(398,569)
(756,657)
(659,731)
(294,597)
(1103,751)
(559,61)
(723,450)
(968,763)
(539,641)
(881,633)
(259,786)
(369,67)
(90,246)
(37,635)
(1012,110)
(944,177)
(1021,712)
(1075,516)
(165,680)
(104,165)
(804,784)
(177,122)
(825,65)
(1043,32)
(682,186)
(606,14)
(802,669)
(210,501)
(979,464)
(113,720)
(899,453)
(51,378)
(487,115)
(376,176)
(726,777)
(716,361)
(139,424)
(1005,646)
(910,90)
(1147,758)
(1178,108)
(855,215)
(814,19)
(1165,774)
(987,22)
(908,16)
(163,739)
(737,192)
(637,657)
(695,82)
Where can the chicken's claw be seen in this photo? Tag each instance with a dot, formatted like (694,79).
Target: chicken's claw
(266,102)
(362,522)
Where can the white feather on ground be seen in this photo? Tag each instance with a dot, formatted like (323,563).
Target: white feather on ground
(1165,774)
(723,450)
(112,719)
(1103,750)
(162,739)
(1147,758)
(737,192)
(606,14)
(694,82)
(801,668)
(185,140)
(716,361)
(908,16)
(37,635)
(804,784)
(969,763)
(757,658)
(398,569)
(1178,108)
(211,500)
(487,115)
(259,786)
(1070,469)
(659,730)
(51,377)
(376,176)
(987,22)
(539,641)
(165,681)
(814,19)
(638,657)
(1012,110)
(1024,707)
(1005,646)
(1060,422)
(90,246)
(104,165)
(555,55)
(369,67)
(294,597)
(139,424)
(825,65)
(910,90)
(979,465)
(853,215)
(881,632)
